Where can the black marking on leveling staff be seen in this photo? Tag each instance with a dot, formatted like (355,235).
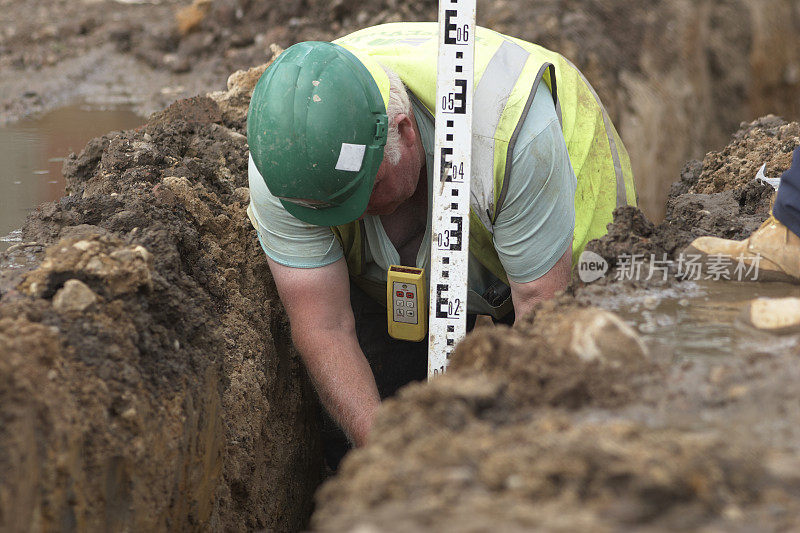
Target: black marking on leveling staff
(459,55)
(441,300)
(449,136)
(454,192)
(455,234)
(451,329)
(449,26)
(461,96)
(450,342)
(446,166)
(454,206)
(445,260)
(459,68)
(445,273)
(449,123)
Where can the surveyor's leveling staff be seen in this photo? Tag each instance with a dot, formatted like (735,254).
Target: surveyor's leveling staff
(452,163)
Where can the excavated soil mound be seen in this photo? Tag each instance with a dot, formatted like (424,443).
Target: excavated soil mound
(451,446)
(718,197)
(147,378)
(528,431)
(767,141)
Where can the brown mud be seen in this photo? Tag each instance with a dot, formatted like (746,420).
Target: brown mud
(147,378)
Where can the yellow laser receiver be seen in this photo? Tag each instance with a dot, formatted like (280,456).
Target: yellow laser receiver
(405,303)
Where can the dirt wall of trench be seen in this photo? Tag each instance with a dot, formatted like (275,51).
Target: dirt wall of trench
(147,377)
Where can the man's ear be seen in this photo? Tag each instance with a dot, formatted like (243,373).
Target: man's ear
(405,127)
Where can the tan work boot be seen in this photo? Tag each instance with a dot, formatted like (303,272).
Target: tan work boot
(773,246)
(778,315)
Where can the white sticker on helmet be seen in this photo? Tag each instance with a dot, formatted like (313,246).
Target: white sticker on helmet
(350,157)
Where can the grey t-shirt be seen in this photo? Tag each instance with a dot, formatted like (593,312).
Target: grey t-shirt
(532,231)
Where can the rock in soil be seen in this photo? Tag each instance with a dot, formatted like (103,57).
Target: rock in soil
(74,296)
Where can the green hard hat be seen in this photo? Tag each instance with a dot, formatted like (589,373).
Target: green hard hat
(316,128)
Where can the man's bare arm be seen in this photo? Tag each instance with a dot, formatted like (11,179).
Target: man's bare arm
(526,295)
(317,301)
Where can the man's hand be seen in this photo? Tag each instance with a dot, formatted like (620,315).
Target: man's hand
(526,295)
(317,301)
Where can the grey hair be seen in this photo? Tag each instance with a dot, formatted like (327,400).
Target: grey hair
(398,103)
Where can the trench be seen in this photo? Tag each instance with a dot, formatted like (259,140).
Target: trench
(176,402)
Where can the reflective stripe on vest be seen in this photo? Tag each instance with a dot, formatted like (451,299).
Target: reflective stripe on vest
(491,96)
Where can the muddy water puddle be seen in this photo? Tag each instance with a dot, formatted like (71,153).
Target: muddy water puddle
(701,319)
(32,152)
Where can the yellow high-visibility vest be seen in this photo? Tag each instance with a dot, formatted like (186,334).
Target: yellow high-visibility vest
(507,73)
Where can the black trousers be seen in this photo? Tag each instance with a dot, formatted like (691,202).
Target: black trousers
(787,203)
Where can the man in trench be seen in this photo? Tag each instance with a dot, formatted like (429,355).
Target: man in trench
(341,142)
